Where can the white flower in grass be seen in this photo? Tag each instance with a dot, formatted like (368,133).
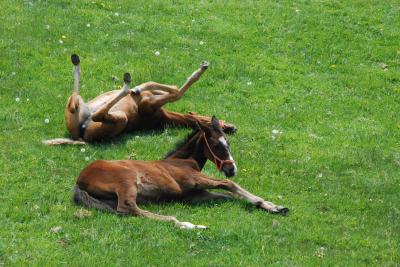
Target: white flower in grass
(13,73)
(56,229)
(87,158)
(82,213)
(88,25)
(201,42)
(157,53)
(249,83)
(320,253)
(83,150)
(314,136)
(276,132)
(47,27)
(61,41)
(297,10)
(116,14)
(27,100)
(46,121)
(17,99)
(193,21)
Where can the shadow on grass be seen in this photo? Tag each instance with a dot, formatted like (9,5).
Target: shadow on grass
(248,207)
(124,138)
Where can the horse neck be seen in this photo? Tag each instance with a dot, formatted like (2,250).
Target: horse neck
(192,149)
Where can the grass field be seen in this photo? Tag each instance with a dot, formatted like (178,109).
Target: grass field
(313,87)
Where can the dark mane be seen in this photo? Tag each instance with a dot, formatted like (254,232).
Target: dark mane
(181,143)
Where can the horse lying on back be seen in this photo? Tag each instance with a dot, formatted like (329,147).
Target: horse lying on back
(115,112)
(117,186)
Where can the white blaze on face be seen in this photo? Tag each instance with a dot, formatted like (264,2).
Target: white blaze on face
(225,143)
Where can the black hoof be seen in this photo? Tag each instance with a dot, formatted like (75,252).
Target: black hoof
(127,78)
(75,59)
(136,91)
(280,210)
(229,129)
(204,65)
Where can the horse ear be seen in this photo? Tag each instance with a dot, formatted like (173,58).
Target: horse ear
(215,123)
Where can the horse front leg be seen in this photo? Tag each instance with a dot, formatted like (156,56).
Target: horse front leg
(156,88)
(102,113)
(204,182)
(203,196)
(76,108)
(75,99)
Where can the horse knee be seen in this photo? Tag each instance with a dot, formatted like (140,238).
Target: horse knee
(229,185)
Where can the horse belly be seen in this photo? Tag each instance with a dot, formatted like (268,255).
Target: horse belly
(101,100)
(156,189)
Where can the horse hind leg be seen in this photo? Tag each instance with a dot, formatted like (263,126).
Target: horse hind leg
(127,204)
(156,101)
(191,119)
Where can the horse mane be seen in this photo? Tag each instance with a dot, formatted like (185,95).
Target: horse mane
(182,143)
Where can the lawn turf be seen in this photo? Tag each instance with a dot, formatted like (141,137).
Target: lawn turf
(313,87)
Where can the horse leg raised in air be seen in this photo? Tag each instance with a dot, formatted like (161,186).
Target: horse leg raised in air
(117,186)
(112,113)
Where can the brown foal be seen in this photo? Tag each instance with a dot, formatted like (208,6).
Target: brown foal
(112,113)
(117,186)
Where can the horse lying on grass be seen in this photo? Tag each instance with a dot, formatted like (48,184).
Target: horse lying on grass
(115,112)
(117,186)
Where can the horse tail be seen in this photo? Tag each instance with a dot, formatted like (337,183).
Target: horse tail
(81,197)
(63,141)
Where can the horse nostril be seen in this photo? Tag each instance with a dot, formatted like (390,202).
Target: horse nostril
(230,172)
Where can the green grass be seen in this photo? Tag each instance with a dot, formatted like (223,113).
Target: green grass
(310,69)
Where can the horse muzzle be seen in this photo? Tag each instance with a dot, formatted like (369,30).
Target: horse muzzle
(229,169)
